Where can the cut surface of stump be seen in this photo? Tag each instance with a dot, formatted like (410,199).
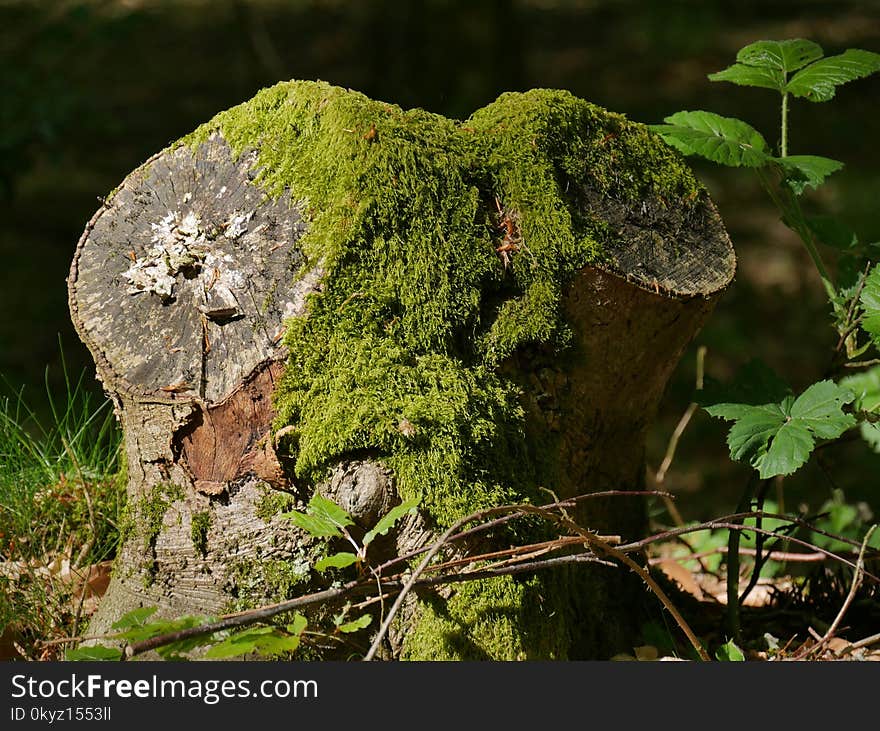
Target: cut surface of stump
(317,291)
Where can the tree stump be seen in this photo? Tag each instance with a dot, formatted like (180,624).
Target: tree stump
(317,291)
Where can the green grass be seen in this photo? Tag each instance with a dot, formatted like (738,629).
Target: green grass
(61,495)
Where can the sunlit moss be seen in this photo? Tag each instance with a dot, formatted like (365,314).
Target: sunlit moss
(406,211)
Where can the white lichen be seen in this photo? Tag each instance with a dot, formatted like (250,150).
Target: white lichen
(237,224)
(178,242)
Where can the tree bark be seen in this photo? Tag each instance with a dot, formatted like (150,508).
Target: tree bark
(190,349)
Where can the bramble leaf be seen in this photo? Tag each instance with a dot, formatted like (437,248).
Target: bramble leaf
(95,652)
(135,618)
(323,518)
(729,652)
(269,641)
(804,170)
(818,82)
(778,438)
(743,75)
(356,624)
(327,509)
(723,140)
(870,301)
(337,561)
(766,63)
(866,387)
(786,56)
(388,520)
(313,525)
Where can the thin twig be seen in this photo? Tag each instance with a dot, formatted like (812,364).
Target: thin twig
(780,556)
(858,577)
(866,642)
(438,544)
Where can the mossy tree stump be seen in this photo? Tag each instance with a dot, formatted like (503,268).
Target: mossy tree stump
(317,291)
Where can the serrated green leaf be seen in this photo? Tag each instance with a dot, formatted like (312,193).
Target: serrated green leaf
(789,450)
(752,431)
(336,561)
(778,438)
(135,618)
(269,641)
(389,519)
(95,652)
(323,518)
(870,301)
(807,170)
(313,525)
(784,56)
(729,652)
(136,633)
(819,409)
(866,387)
(356,624)
(321,507)
(298,626)
(743,75)
(723,140)
(819,81)
(176,650)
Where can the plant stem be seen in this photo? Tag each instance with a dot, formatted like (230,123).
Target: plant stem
(733,563)
(794,218)
(783,145)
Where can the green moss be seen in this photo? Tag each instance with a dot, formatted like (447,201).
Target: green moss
(496,619)
(151,509)
(405,211)
(147,514)
(200,523)
(260,581)
(272,503)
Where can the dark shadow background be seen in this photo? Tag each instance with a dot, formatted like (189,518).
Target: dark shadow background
(90,89)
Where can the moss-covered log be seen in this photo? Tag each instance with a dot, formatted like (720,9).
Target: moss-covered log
(317,291)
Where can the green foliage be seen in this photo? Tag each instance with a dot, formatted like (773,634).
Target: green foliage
(61,498)
(134,619)
(802,171)
(266,641)
(323,518)
(729,652)
(866,387)
(387,521)
(819,81)
(766,64)
(93,653)
(353,625)
(337,561)
(772,430)
(722,140)
(870,301)
(841,518)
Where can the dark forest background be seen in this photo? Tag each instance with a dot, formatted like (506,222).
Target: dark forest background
(88,90)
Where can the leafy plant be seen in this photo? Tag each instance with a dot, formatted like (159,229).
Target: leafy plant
(774,430)
(322,519)
(325,519)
